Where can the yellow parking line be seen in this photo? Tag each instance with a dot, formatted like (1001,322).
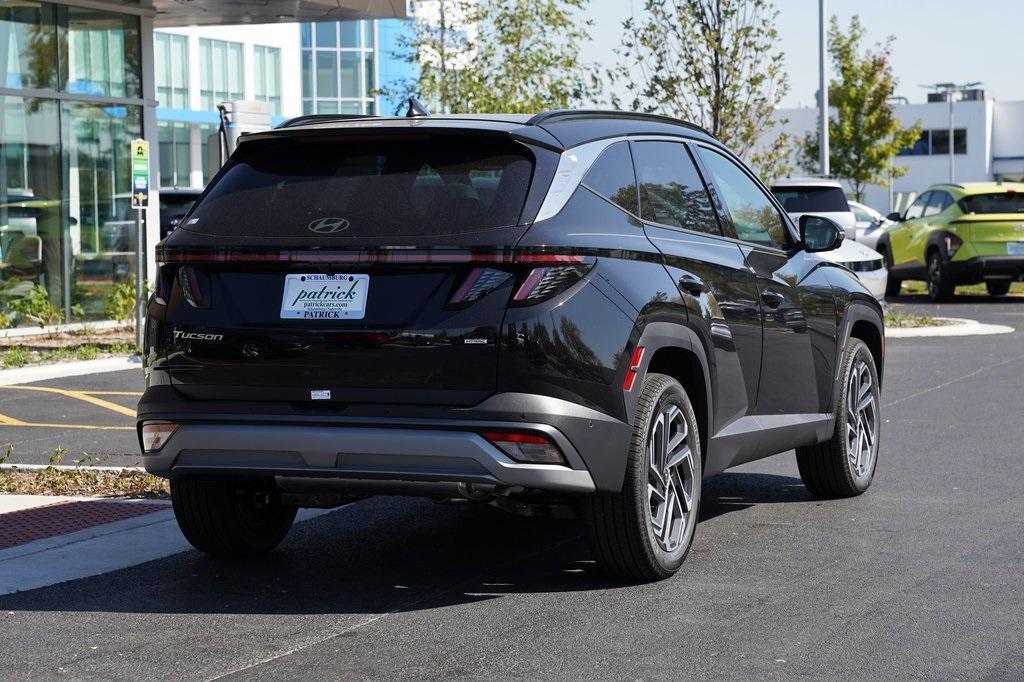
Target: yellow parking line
(137,394)
(77,395)
(8,421)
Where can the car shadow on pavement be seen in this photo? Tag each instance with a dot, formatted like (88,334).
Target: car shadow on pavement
(381,555)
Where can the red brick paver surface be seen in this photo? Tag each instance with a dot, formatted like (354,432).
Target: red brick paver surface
(38,523)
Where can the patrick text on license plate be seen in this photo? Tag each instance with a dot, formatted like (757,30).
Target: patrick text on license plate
(324,297)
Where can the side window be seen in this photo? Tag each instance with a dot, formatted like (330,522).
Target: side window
(936,204)
(917,208)
(671,191)
(612,177)
(753,215)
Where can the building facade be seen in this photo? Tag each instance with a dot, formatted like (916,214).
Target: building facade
(988,144)
(344,67)
(79,83)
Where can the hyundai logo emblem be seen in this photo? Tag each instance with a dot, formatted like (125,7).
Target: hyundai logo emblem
(328,225)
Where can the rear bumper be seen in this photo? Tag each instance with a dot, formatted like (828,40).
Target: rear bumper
(988,267)
(389,443)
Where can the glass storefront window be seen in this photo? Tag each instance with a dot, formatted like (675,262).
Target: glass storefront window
(31,225)
(221,75)
(28,45)
(102,222)
(349,33)
(103,52)
(175,154)
(171,61)
(267,76)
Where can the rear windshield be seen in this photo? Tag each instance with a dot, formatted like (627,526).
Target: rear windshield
(811,199)
(396,186)
(1003,202)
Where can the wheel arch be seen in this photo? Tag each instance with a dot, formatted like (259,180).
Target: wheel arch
(675,350)
(864,321)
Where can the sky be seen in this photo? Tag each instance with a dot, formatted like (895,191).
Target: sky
(936,41)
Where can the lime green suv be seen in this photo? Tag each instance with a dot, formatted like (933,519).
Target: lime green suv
(958,234)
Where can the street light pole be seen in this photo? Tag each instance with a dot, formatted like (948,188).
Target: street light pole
(951,96)
(823,87)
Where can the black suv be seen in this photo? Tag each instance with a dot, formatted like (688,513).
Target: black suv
(587,311)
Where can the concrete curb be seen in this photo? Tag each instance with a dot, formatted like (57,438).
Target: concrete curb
(68,467)
(958,326)
(29,332)
(59,370)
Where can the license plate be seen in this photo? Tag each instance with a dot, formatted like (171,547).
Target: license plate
(1015,248)
(324,297)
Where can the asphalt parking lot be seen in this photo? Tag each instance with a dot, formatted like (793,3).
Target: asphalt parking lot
(918,578)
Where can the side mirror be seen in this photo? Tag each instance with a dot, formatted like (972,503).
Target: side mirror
(895,216)
(820,234)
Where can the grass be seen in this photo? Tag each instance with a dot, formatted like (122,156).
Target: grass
(83,479)
(896,318)
(21,356)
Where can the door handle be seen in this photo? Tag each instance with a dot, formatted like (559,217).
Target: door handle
(692,285)
(772,299)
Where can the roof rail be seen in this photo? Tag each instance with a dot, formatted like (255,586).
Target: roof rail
(321,118)
(545,116)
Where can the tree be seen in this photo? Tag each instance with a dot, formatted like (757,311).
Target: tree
(507,56)
(864,135)
(714,63)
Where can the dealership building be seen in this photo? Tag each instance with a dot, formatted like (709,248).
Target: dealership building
(82,78)
(988,144)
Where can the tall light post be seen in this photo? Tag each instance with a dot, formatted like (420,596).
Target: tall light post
(823,150)
(952,91)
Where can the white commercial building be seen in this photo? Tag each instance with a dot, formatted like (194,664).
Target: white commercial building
(988,145)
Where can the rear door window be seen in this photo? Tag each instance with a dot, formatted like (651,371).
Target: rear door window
(612,177)
(396,185)
(671,191)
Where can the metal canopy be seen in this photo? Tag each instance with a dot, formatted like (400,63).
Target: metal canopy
(216,12)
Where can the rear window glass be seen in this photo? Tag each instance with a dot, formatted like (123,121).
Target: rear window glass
(1004,202)
(811,199)
(399,186)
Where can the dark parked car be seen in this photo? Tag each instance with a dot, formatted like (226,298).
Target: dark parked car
(174,204)
(589,311)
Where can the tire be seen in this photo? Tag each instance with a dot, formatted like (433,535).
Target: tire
(222,518)
(997,287)
(940,283)
(892,284)
(833,468)
(627,539)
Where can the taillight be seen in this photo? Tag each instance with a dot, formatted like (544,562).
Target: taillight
(953,244)
(525,447)
(156,434)
(542,283)
(477,284)
(634,368)
(194,286)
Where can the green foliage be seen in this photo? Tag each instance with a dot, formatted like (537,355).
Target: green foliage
(715,63)
(6,321)
(36,307)
(120,303)
(499,56)
(16,357)
(865,135)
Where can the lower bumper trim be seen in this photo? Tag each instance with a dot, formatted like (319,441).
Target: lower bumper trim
(384,454)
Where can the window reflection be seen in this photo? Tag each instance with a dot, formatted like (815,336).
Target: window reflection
(102,52)
(28,44)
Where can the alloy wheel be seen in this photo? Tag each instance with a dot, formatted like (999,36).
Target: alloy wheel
(861,419)
(670,478)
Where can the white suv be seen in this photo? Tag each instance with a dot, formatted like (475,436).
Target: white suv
(819,196)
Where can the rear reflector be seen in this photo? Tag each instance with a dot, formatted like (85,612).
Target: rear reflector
(634,367)
(156,434)
(525,447)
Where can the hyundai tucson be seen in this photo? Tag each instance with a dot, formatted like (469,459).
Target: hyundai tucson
(583,311)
